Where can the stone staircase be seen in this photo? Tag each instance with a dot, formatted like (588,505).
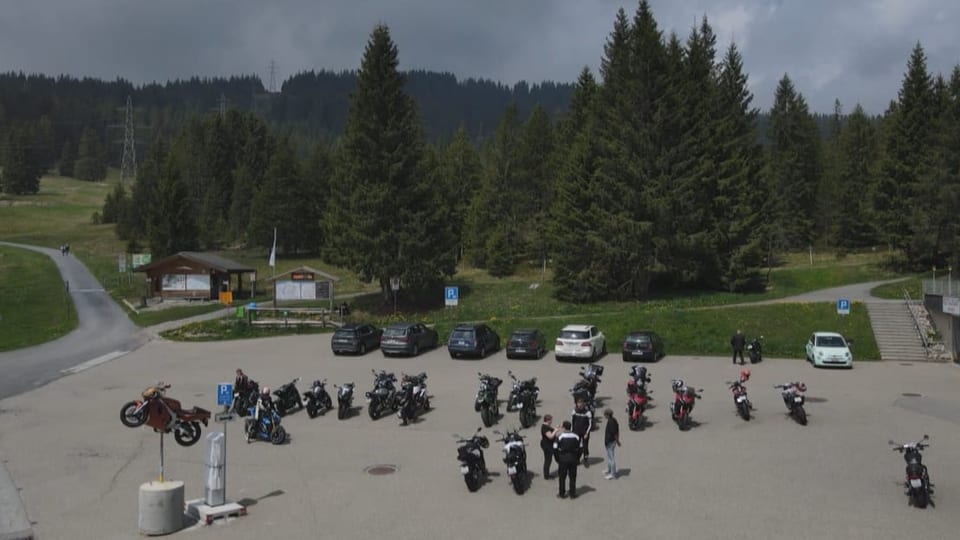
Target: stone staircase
(895,332)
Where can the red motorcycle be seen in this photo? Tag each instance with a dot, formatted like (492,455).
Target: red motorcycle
(684,398)
(637,397)
(740,398)
(164,415)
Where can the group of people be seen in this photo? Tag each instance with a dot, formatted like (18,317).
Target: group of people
(64,249)
(570,443)
(264,404)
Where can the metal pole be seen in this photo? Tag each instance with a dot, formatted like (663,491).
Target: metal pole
(225,459)
(161,456)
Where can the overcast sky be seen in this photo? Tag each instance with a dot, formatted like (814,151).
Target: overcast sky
(851,50)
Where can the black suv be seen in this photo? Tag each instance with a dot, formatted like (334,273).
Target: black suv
(472,339)
(407,338)
(528,343)
(355,338)
(642,345)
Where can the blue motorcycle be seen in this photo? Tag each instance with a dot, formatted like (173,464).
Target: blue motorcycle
(267,429)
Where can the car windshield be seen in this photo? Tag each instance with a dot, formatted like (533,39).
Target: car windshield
(574,334)
(345,333)
(462,334)
(643,338)
(830,341)
(521,337)
(395,332)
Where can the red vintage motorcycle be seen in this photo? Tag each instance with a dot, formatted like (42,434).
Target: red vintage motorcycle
(164,415)
(684,398)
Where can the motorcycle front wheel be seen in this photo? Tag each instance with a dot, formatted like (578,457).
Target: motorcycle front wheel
(486,414)
(527,417)
(187,433)
(374,411)
(744,410)
(342,411)
(517,482)
(801,415)
(279,435)
(472,480)
(131,419)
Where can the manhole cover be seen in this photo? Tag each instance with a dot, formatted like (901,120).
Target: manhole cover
(910,394)
(380,470)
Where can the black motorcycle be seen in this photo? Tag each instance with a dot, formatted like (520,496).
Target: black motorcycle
(344,399)
(244,398)
(318,400)
(383,398)
(523,398)
(515,456)
(793,398)
(756,350)
(918,484)
(412,397)
(586,387)
(486,402)
(473,467)
(288,398)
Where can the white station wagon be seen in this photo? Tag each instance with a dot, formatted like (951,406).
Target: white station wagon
(829,349)
(580,341)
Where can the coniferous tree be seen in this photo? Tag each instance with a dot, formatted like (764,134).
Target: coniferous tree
(171,224)
(21,168)
(114,203)
(132,223)
(68,157)
(462,175)
(857,156)
(91,164)
(283,203)
(536,164)
(380,203)
(829,204)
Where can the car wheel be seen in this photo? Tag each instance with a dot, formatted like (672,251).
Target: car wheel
(416,350)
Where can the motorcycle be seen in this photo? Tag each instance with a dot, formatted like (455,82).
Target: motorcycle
(470,455)
(164,415)
(740,398)
(918,484)
(637,397)
(344,399)
(794,399)
(684,398)
(383,398)
(288,398)
(318,400)
(244,398)
(413,396)
(755,349)
(523,398)
(267,429)
(515,457)
(586,387)
(486,402)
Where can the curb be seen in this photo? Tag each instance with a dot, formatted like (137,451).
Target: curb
(14,523)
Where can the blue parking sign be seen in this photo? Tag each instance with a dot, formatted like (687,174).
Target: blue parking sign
(843,306)
(224,393)
(451,295)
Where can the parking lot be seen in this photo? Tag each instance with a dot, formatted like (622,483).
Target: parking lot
(80,469)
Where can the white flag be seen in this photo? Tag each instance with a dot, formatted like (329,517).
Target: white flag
(273,250)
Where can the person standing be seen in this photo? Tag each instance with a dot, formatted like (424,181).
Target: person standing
(611,439)
(738,342)
(547,435)
(567,445)
(582,421)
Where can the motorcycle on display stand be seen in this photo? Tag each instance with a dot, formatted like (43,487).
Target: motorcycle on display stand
(523,398)
(268,428)
(637,397)
(288,398)
(486,402)
(918,484)
(755,349)
(515,457)
(793,398)
(473,467)
(164,415)
(740,399)
(383,398)
(344,399)
(318,400)
(684,398)
(412,397)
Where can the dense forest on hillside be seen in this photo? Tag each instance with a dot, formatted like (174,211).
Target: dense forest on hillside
(657,172)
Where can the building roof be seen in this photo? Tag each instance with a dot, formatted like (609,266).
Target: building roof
(209,260)
(318,273)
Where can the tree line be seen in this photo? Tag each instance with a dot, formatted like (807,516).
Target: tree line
(657,175)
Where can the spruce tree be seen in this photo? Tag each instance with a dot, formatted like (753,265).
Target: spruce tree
(283,203)
(68,158)
(857,157)
(21,168)
(171,224)
(91,164)
(462,175)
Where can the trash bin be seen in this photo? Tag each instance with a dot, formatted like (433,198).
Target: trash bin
(252,307)
(241,312)
(214,493)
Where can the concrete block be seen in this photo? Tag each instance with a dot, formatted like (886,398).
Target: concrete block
(161,507)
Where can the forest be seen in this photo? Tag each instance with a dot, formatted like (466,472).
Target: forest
(654,173)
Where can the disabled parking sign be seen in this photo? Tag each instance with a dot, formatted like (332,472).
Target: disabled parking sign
(843,306)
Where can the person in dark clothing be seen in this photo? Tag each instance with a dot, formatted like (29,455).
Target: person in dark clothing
(567,446)
(582,421)
(611,440)
(242,382)
(738,342)
(547,434)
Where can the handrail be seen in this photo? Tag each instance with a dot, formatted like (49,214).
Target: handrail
(916,322)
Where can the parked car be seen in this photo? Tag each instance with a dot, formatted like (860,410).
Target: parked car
(407,338)
(642,345)
(580,341)
(829,349)
(472,339)
(355,338)
(528,343)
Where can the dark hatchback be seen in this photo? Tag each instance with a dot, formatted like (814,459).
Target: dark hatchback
(527,343)
(407,338)
(473,340)
(642,345)
(355,338)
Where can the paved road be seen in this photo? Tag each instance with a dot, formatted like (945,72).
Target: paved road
(104,331)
